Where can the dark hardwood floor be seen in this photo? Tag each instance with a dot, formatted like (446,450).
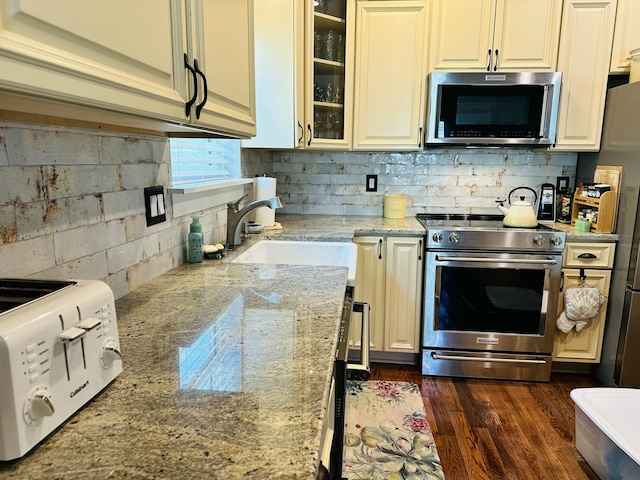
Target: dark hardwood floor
(498,429)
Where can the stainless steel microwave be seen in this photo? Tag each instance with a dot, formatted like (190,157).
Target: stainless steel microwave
(509,109)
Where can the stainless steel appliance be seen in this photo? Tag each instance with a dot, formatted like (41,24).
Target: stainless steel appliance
(332,442)
(493,108)
(620,359)
(59,348)
(488,291)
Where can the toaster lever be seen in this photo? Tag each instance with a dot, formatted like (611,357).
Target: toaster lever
(89,323)
(71,334)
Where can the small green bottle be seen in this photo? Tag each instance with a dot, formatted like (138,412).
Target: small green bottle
(195,242)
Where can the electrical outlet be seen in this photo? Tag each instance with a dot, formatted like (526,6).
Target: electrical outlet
(372,183)
(154,205)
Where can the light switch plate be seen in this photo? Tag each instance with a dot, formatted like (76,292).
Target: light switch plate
(372,183)
(154,205)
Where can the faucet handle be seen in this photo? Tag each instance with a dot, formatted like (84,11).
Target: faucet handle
(234,205)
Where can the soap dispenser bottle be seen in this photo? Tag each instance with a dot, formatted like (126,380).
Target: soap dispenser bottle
(195,241)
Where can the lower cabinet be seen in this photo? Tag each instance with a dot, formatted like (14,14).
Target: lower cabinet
(595,260)
(389,278)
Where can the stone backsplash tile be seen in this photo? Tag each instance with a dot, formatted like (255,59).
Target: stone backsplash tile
(436,180)
(72,206)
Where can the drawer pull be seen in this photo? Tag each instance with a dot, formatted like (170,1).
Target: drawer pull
(587,255)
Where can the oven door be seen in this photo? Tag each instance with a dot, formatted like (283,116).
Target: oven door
(490,302)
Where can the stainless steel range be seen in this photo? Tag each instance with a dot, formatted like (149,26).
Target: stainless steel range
(491,295)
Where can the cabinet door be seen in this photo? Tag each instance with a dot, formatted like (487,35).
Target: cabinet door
(116,55)
(329,39)
(370,286)
(403,294)
(390,74)
(626,36)
(461,34)
(279,74)
(584,58)
(527,35)
(584,346)
(221,36)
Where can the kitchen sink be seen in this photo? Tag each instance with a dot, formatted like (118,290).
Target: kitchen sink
(293,252)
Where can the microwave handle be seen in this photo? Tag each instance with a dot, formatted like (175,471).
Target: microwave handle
(544,126)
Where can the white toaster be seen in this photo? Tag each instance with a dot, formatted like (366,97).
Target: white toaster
(59,348)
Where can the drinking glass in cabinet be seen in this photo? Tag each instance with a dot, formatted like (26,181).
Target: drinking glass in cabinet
(331,42)
(318,93)
(340,48)
(328,93)
(319,124)
(318,43)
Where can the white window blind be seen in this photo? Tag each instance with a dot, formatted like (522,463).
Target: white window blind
(204,160)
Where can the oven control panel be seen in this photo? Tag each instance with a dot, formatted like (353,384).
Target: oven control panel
(522,240)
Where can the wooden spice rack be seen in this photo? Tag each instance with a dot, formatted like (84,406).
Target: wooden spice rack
(606,205)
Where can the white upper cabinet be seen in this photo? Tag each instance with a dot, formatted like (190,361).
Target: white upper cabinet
(122,62)
(495,35)
(390,74)
(626,36)
(584,59)
(221,40)
(114,55)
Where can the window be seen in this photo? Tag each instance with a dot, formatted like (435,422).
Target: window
(197,161)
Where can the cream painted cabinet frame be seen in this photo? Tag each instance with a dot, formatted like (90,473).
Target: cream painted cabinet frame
(626,36)
(120,62)
(495,35)
(328,109)
(390,74)
(584,59)
(389,276)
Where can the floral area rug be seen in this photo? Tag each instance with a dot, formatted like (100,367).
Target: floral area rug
(387,435)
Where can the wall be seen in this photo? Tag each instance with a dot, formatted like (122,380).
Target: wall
(436,180)
(72,206)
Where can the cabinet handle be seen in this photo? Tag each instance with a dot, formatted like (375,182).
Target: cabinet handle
(380,249)
(420,137)
(420,250)
(204,80)
(192,100)
(301,133)
(489,60)
(587,255)
(310,134)
(561,282)
(495,64)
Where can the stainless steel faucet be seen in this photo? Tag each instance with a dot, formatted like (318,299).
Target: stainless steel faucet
(235,216)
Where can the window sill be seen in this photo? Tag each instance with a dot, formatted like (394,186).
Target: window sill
(206,187)
(188,199)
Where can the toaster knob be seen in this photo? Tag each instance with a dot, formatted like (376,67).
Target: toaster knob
(38,404)
(110,353)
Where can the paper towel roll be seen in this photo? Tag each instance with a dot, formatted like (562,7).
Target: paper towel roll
(264,187)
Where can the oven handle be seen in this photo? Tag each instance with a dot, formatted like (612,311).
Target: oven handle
(362,370)
(437,356)
(546,261)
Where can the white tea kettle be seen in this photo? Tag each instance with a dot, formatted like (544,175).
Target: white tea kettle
(521,213)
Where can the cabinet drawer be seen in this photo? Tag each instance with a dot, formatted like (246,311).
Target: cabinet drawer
(589,255)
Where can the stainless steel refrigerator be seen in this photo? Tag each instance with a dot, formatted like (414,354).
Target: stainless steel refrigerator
(620,360)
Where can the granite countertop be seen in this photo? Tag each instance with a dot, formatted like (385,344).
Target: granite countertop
(226,375)
(226,369)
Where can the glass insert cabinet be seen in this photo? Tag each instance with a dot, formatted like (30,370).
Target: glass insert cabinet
(329,73)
